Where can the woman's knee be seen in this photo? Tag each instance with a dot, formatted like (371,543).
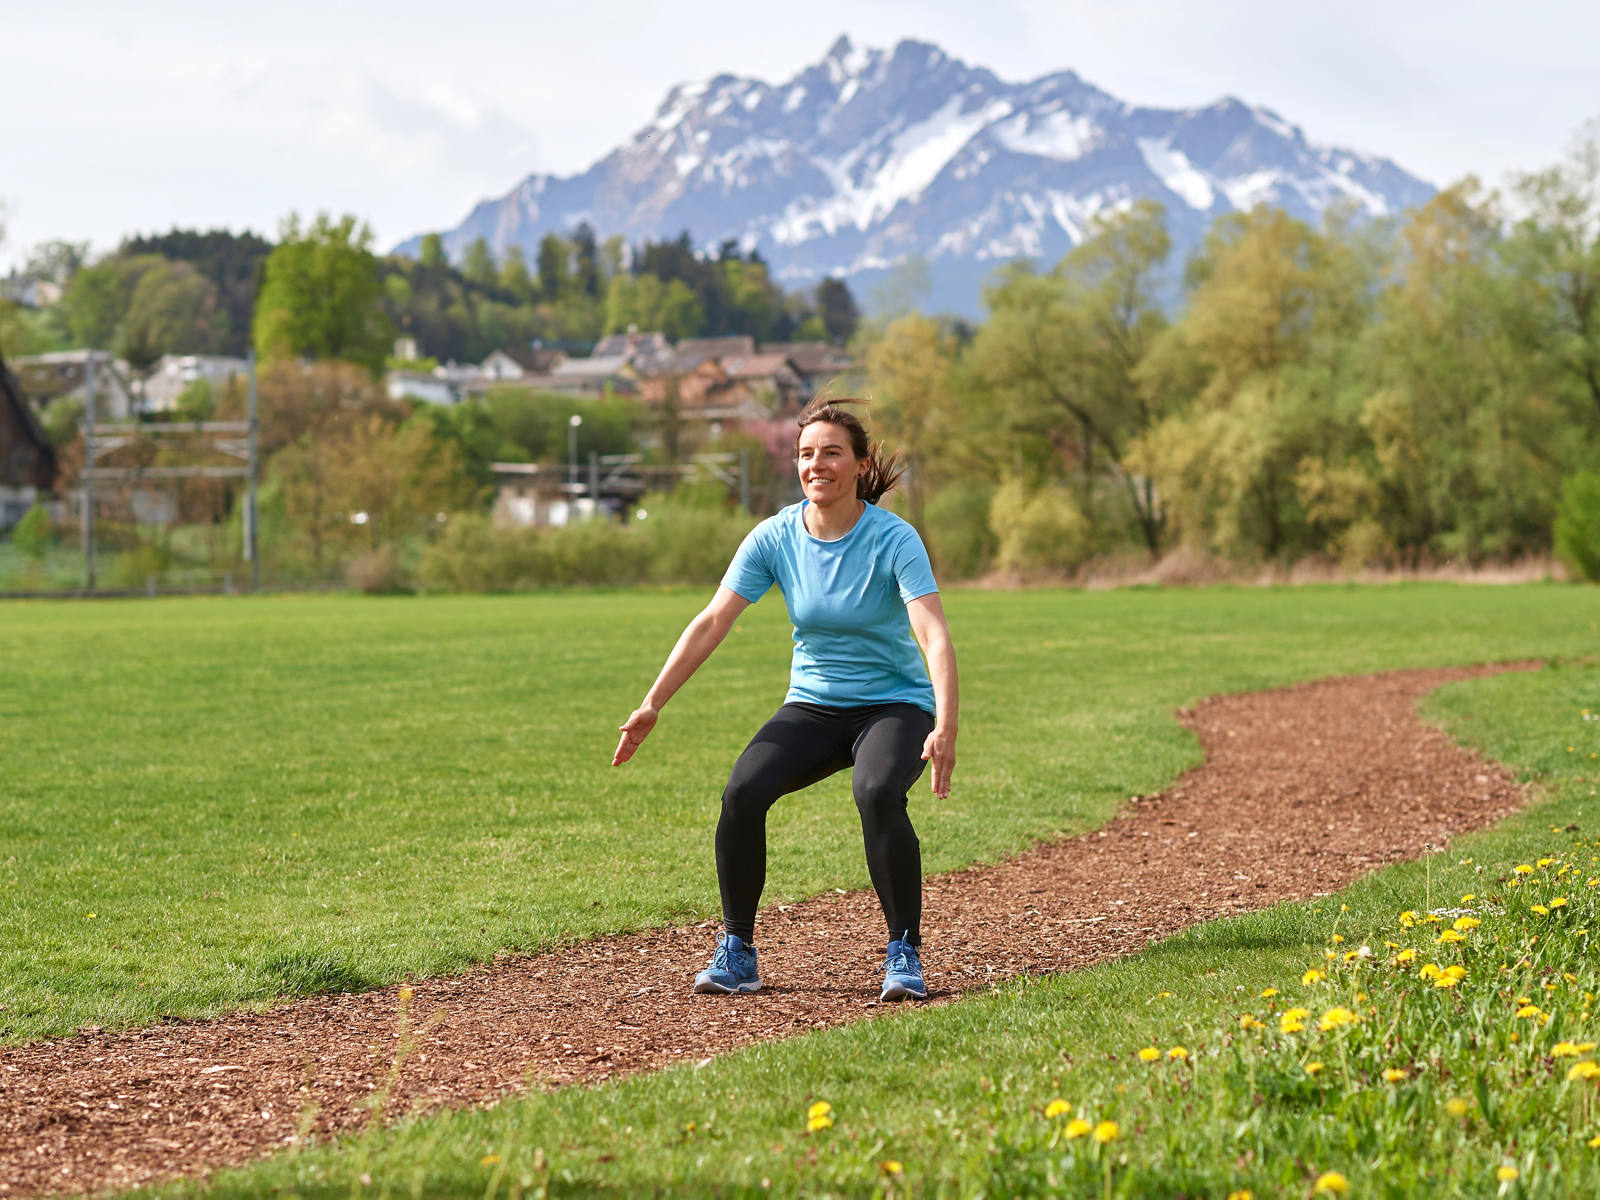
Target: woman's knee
(747,797)
(878,795)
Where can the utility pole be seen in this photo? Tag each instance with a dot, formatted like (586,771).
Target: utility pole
(744,478)
(252,541)
(88,472)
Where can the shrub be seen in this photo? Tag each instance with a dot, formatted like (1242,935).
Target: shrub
(692,545)
(135,568)
(1577,528)
(33,534)
(378,572)
(960,540)
(1042,530)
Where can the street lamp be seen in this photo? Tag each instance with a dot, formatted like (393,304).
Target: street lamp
(572,452)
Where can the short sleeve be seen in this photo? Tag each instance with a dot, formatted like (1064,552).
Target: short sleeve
(913,573)
(749,573)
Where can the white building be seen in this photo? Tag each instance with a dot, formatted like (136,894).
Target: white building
(175,372)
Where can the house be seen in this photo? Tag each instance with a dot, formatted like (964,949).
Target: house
(647,353)
(420,385)
(691,352)
(27,459)
(173,373)
(515,363)
(772,379)
(820,364)
(48,379)
(596,375)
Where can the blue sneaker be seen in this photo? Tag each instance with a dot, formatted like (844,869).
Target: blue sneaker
(732,969)
(902,973)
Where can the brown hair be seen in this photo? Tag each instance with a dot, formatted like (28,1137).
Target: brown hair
(883,470)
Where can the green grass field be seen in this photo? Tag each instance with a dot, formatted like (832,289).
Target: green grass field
(214,803)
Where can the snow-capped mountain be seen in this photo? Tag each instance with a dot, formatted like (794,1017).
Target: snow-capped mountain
(871,156)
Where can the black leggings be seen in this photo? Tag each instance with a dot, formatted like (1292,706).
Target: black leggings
(805,743)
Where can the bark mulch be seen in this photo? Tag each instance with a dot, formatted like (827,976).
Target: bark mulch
(1303,790)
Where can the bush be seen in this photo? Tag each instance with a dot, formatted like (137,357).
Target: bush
(692,544)
(133,569)
(1577,528)
(960,540)
(33,534)
(1043,530)
(378,572)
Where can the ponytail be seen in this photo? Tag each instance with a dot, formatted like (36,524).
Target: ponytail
(883,469)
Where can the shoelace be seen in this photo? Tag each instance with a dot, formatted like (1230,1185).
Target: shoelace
(905,962)
(722,959)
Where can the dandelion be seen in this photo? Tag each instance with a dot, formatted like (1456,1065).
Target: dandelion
(1466,923)
(1529,1010)
(891,1167)
(1505,1174)
(1559,902)
(1541,910)
(1077,1127)
(1293,1020)
(816,1124)
(1312,976)
(1587,1069)
(1268,993)
(1545,862)
(1336,1018)
(1564,1050)
(820,1109)
(1457,1107)
(489,1160)
(1407,919)
(1331,1182)
(1338,937)
(1163,995)
(1449,936)
(1405,956)
(1248,1022)
(1247,1194)
(1594,1143)
(1468,899)
(1149,1054)
(1394,1075)
(1430,971)
(406,993)
(1179,1053)
(1057,1108)
(1522,869)
(1106,1131)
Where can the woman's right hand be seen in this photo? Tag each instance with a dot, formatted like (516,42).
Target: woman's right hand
(634,730)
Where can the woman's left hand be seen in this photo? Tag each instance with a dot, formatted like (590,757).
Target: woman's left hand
(940,750)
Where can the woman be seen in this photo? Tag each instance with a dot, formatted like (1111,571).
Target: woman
(859,695)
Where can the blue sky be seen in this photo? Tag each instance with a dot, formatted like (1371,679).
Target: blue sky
(133,118)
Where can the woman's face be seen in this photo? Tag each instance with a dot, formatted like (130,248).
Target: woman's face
(828,466)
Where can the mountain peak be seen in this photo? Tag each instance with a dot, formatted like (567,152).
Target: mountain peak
(867,157)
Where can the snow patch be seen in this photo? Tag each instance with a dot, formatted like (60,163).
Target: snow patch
(752,99)
(1276,123)
(1244,192)
(848,90)
(680,101)
(795,98)
(1175,170)
(1058,135)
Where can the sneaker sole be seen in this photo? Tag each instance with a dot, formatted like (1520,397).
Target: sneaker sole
(708,988)
(899,991)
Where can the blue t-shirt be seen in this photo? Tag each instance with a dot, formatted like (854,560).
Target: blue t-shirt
(847,602)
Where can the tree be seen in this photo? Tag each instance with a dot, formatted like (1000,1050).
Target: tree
(514,277)
(554,256)
(478,263)
(912,369)
(431,252)
(321,296)
(586,264)
(173,310)
(837,308)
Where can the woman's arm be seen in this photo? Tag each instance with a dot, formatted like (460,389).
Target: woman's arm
(933,635)
(702,635)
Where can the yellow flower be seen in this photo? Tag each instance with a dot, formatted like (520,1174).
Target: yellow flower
(1178,1052)
(1469,898)
(1523,869)
(1077,1127)
(1164,995)
(1268,993)
(1312,976)
(1465,923)
(1430,971)
(1149,1054)
(489,1160)
(1405,956)
(1394,1075)
(1587,1069)
(1541,910)
(1505,1174)
(1249,1021)
(1293,1021)
(1449,935)
(891,1167)
(1457,1107)
(1594,881)
(820,1109)
(1337,938)
(1313,1067)
(1331,1182)
(1334,1018)
(1564,1050)
(1408,919)
(1559,902)
(1247,1194)
(814,1124)
(1106,1131)
(1594,1143)
(1057,1108)
(406,993)
(1528,1010)
(1545,862)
